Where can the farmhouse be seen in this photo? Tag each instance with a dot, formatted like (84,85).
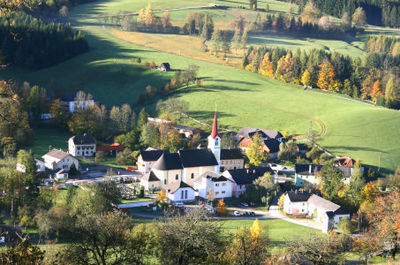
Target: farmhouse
(231,159)
(345,161)
(58,159)
(247,132)
(241,178)
(323,211)
(270,146)
(82,145)
(179,191)
(219,185)
(39,165)
(306,174)
(164,67)
(73,104)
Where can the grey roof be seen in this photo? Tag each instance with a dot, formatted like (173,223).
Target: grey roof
(150,176)
(309,170)
(273,145)
(197,158)
(227,154)
(244,176)
(266,134)
(323,204)
(58,154)
(295,196)
(185,128)
(168,162)
(152,155)
(213,176)
(173,187)
(83,139)
(347,171)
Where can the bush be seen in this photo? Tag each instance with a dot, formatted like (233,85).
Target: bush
(124,157)
(101,156)
(139,60)
(141,192)
(146,64)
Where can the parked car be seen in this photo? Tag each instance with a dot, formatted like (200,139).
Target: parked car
(244,204)
(236,213)
(210,208)
(245,214)
(179,204)
(252,214)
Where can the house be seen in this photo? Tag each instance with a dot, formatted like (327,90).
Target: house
(321,210)
(150,181)
(247,132)
(164,67)
(112,149)
(220,185)
(187,131)
(39,164)
(295,203)
(58,159)
(269,146)
(241,178)
(306,174)
(231,159)
(179,191)
(82,145)
(147,158)
(61,174)
(345,161)
(73,104)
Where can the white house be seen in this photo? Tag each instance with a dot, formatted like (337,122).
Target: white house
(150,181)
(179,192)
(306,174)
(62,174)
(58,159)
(323,211)
(218,184)
(73,104)
(39,164)
(82,145)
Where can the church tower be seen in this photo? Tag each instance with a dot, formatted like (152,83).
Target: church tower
(214,142)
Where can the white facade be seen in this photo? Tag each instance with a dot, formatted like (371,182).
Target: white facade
(39,165)
(214,144)
(81,150)
(295,208)
(221,189)
(182,195)
(83,104)
(311,179)
(62,174)
(65,163)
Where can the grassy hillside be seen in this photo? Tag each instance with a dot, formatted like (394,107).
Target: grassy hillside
(244,98)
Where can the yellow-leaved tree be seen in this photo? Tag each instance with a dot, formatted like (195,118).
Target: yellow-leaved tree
(306,78)
(255,230)
(221,208)
(266,67)
(162,196)
(326,75)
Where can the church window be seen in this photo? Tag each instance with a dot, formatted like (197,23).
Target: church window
(216,142)
(176,176)
(165,182)
(192,175)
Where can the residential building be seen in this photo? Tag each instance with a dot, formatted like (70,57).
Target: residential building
(220,186)
(321,210)
(150,181)
(61,174)
(39,164)
(269,146)
(306,174)
(187,131)
(73,104)
(164,67)
(82,145)
(247,132)
(241,178)
(58,159)
(345,161)
(179,191)
(231,159)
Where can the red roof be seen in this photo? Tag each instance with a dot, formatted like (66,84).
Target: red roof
(214,132)
(113,147)
(345,161)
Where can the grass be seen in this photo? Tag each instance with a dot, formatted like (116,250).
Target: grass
(244,98)
(46,139)
(136,200)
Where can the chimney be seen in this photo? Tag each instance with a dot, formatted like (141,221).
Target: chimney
(310,167)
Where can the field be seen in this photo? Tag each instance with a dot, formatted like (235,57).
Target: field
(244,99)
(46,139)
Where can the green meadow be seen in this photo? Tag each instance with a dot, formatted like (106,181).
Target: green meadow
(348,127)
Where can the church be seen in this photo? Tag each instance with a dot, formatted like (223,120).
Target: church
(187,166)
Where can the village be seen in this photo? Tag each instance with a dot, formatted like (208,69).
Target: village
(204,177)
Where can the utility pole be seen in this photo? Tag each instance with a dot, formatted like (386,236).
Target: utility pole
(380,155)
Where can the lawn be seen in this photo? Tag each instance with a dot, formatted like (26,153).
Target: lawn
(45,139)
(244,99)
(137,200)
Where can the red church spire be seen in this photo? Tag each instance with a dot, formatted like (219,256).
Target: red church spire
(214,132)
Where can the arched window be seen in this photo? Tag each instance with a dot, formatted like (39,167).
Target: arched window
(192,175)
(176,176)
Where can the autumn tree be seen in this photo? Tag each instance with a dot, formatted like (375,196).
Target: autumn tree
(255,152)
(394,180)
(359,17)
(244,39)
(326,75)
(216,41)
(306,78)
(221,207)
(310,13)
(248,246)
(331,178)
(376,90)
(357,183)
(236,40)
(210,195)
(266,67)
(390,92)
(22,253)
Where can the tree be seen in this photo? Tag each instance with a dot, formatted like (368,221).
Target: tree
(253,4)
(228,142)
(9,146)
(281,201)
(192,238)
(244,39)
(306,78)
(376,90)
(63,11)
(221,208)
(310,13)
(331,178)
(288,151)
(357,183)
(59,114)
(384,219)
(326,75)
(226,43)
(247,246)
(173,105)
(22,253)
(104,239)
(266,67)
(101,156)
(210,195)
(27,159)
(394,180)
(390,92)
(150,135)
(142,119)
(359,17)
(166,21)
(321,249)
(255,152)
(216,41)
(236,40)
(162,196)
(124,157)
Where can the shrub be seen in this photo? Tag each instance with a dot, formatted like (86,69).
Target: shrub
(101,156)
(141,192)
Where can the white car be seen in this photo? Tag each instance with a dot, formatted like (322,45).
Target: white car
(179,204)
(236,213)
(244,204)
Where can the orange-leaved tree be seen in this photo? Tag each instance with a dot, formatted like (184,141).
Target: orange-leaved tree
(221,208)
(326,75)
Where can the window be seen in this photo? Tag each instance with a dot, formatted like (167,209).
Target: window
(223,184)
(223,192)
(186,194)
(216,184)
(217,193)
(192,175)
(165,182)
(176,176)
(302,210)
(182,194)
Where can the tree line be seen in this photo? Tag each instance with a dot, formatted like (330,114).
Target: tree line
(30,43)
(375,78)
(383,44)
